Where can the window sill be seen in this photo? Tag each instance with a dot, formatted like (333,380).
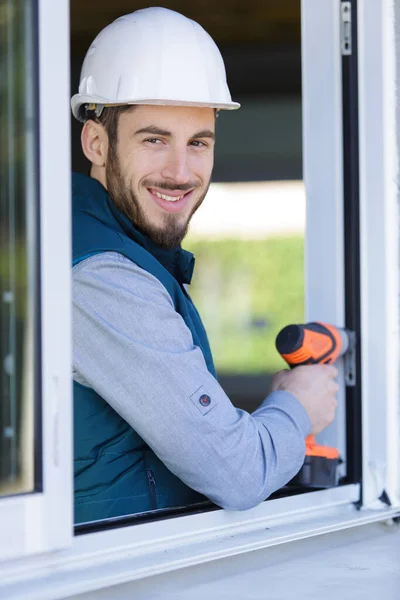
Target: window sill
(104,559)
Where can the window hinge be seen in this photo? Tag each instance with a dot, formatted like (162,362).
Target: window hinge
(345,28)
(350,360)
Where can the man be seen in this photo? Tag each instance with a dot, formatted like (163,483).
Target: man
(153,428)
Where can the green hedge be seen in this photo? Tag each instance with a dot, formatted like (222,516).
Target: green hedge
(246,291)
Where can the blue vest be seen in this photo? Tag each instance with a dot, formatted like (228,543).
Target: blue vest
(129,478)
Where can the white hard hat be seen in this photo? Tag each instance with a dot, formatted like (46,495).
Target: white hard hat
(153,56)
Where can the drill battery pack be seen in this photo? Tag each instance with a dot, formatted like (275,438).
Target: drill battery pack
(317,472)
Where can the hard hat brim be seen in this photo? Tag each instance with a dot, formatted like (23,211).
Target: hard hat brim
(78,100)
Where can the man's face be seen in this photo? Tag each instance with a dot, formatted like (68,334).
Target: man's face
(159,173)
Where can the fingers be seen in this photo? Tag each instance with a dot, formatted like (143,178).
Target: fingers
(278,379)
(330,370)
(335,387)
(315,387)
(280,374)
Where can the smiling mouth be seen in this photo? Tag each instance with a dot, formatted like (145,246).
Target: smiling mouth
(168,198)
(173,202)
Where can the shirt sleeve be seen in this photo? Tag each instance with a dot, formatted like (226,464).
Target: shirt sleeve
(135,350)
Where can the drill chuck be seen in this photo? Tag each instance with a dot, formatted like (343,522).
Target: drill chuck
(312,343)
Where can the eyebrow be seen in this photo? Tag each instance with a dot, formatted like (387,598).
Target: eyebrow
(152,129)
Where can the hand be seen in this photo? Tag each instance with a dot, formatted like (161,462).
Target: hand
(315,388)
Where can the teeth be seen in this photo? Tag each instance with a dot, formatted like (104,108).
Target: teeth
(168,198)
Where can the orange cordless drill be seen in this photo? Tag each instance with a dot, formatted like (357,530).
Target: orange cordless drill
(311,344)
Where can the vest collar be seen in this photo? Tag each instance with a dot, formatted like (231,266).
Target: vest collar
(178,262)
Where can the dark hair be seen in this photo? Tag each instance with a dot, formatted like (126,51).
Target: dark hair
(109,119)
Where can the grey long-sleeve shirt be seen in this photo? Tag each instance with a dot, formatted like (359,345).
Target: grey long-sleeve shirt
(134,349)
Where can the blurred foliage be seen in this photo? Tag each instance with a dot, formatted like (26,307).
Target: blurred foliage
(246,291)
(14,276)
(17,130)
(16,99)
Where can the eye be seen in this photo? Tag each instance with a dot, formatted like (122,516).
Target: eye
(198,144)
(153,140)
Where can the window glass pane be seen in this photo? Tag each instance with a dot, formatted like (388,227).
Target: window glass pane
(19,349)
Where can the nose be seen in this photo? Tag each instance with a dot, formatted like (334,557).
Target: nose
(176,166)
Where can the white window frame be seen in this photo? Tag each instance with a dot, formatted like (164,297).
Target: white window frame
(106,558)
(323,178)
(379,245)
(40,522)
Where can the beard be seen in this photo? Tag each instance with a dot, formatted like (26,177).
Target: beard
(170,234)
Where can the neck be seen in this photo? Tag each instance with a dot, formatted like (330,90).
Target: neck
(99,173)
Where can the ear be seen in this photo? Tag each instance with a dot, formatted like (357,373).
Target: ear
(94,142)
